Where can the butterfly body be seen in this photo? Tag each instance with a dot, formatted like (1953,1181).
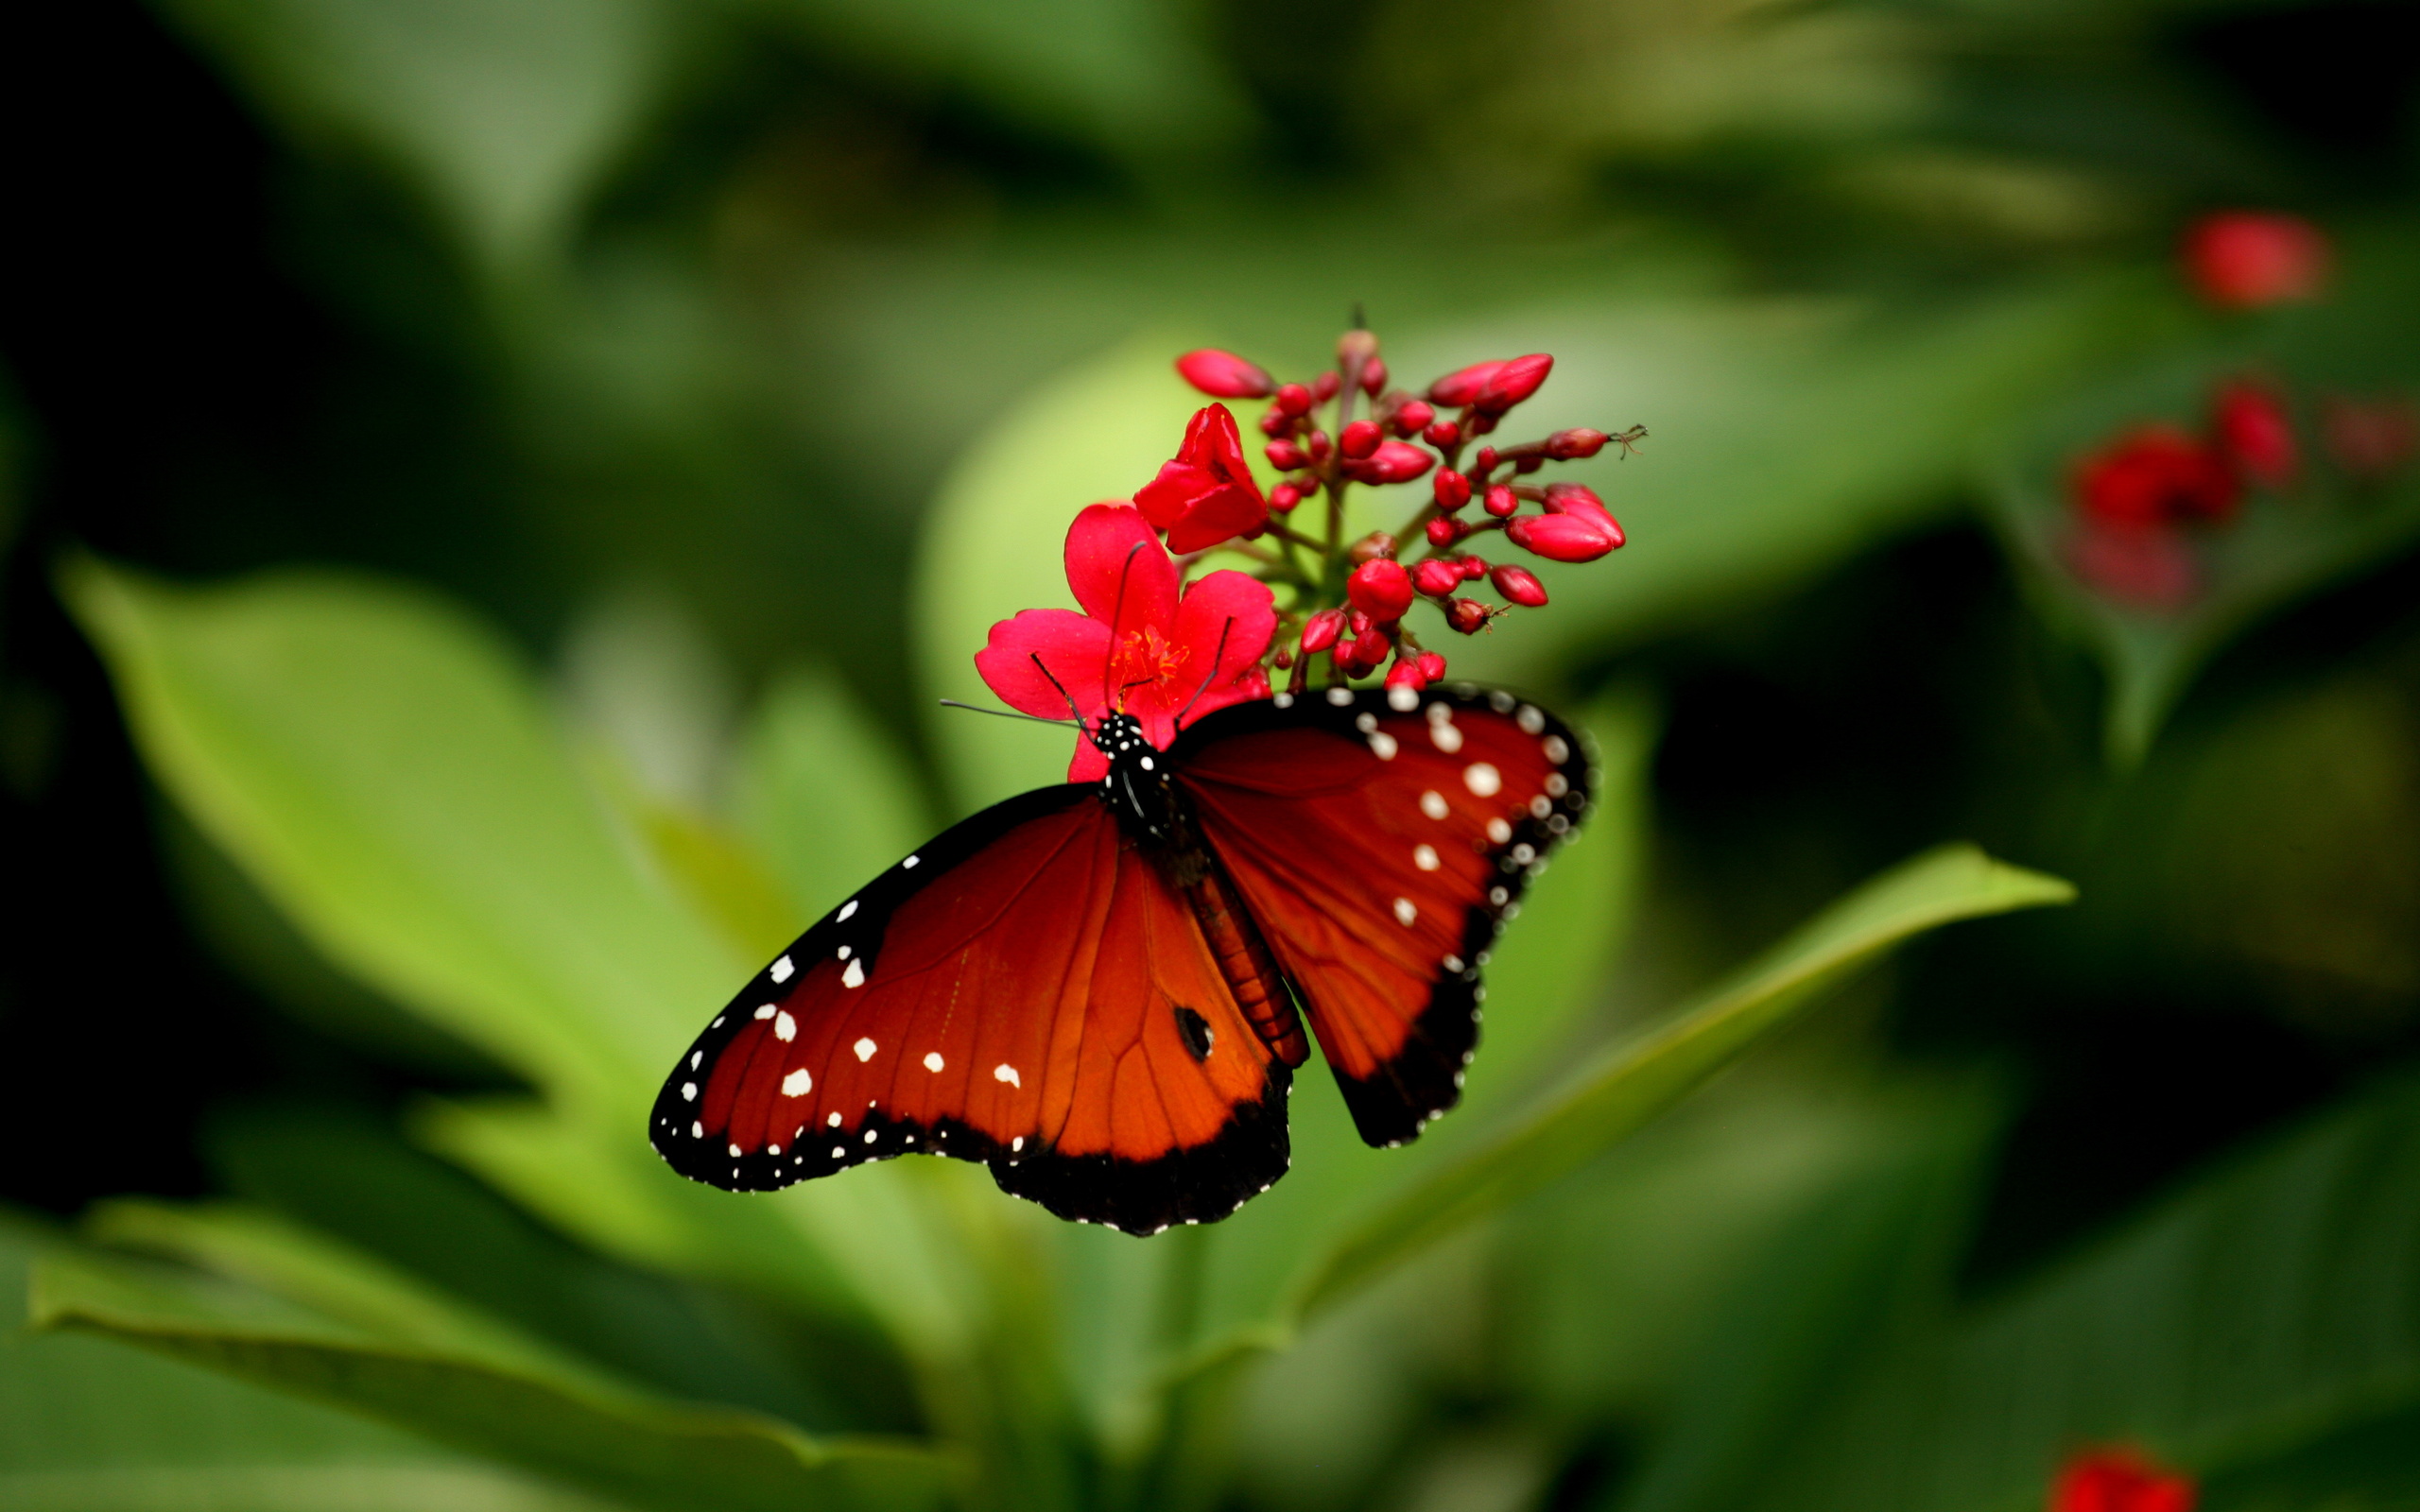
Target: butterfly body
(1093,989)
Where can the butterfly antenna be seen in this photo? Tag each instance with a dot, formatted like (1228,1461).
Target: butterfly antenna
(1005,713)
(1216,658)
(1118,612)
(1074,714)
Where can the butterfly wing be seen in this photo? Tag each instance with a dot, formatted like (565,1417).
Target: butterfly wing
(1028,991)
(1379,840)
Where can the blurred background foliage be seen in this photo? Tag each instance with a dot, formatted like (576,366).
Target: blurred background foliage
(491,491)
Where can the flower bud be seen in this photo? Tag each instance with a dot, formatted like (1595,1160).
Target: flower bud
(1519,586)
(1254,683)
(1437,577)
(1482,424)
(1361,439)
(1364,654)
(1321,446)
(1394,462)
(1412,417)
(2256,433)
(1283,660)
(1453,490)
(1284,497)
(1432,665)
(1474,568)
(1320,631)
(1442,433)
(1445,530)
(1468,616)
(1574,498)
(1405,673)
(2246,260)
(1224,375)
(1373,377)
(1286,456)
(1276,421)
(1357,622)
(1460,388)
(1357,344)
(1369,548)
(1575,443)
(1500,500)
(1512,381)
(1529,464)
(1486,459)
(1574,536)
(1381,588)
(1293,399)
(1323,387)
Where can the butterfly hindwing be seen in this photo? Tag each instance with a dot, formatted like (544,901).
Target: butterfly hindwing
(1026,991)
(1379,840)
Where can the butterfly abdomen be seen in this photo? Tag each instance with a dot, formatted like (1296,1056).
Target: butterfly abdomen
(1247,963)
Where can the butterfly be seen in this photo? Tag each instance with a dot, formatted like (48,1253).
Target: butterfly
(1099,990)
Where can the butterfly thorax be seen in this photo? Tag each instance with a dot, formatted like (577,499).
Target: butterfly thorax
(1140,789)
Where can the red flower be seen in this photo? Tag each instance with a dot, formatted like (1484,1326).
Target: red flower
(2117,1480)
(2256,433)
(2150,568)
(2154,474)
(1381,588)
(1206,495)
(1138,647)
(2246,259)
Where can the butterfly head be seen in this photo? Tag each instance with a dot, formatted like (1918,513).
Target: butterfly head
(1136,782)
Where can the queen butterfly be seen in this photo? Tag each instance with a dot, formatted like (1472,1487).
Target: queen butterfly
(1091,988)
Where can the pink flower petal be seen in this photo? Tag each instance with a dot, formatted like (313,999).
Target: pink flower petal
(1220,515)
(1118,569)
(1089,765)
(1073,648)
(1241,609)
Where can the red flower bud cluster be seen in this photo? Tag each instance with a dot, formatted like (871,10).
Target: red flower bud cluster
(2249,260)
(2117,1480)
(1159,643)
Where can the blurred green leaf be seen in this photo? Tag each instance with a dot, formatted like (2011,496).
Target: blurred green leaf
(387,775)
(2260,1327)
(823,791)
(1123,76)
(402,1354)
(504,118)
(1625,1086)
(90,1425)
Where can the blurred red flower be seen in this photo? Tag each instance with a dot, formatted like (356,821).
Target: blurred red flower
(2247,259)
(2118,1480)
(2256,433)
(2154,475)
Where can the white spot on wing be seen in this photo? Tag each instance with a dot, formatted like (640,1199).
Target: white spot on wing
(798,1083)
(765,1012)
(1004,1072)
(1425,857)
(734,1149)
(784,1027)
(865,1049)
(1483,780)
(833,1122)
(1433,804)
(855,975)
(932,1061)
(1284,700)
(696,1131)
(1340,695)
(1406,915)
(695,1058)
(1557,749)
(1446,735)
(1498,831)
(1383,746)
(846,909)
(1017,1144)
(688,1091)
(909,865)
(1403,700)
(1530,719)
(782,969)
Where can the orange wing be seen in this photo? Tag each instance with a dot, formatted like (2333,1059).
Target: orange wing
(1028,991)
(1381,839)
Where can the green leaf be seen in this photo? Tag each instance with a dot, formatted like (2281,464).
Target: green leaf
(387,775)
(1121,75)
(401,1355)
(504,118)
(2260,1329)
(823,791)
(1624,1088)
(90,1425)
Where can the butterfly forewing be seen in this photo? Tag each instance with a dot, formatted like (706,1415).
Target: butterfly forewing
(1379,841)
(1028,991)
